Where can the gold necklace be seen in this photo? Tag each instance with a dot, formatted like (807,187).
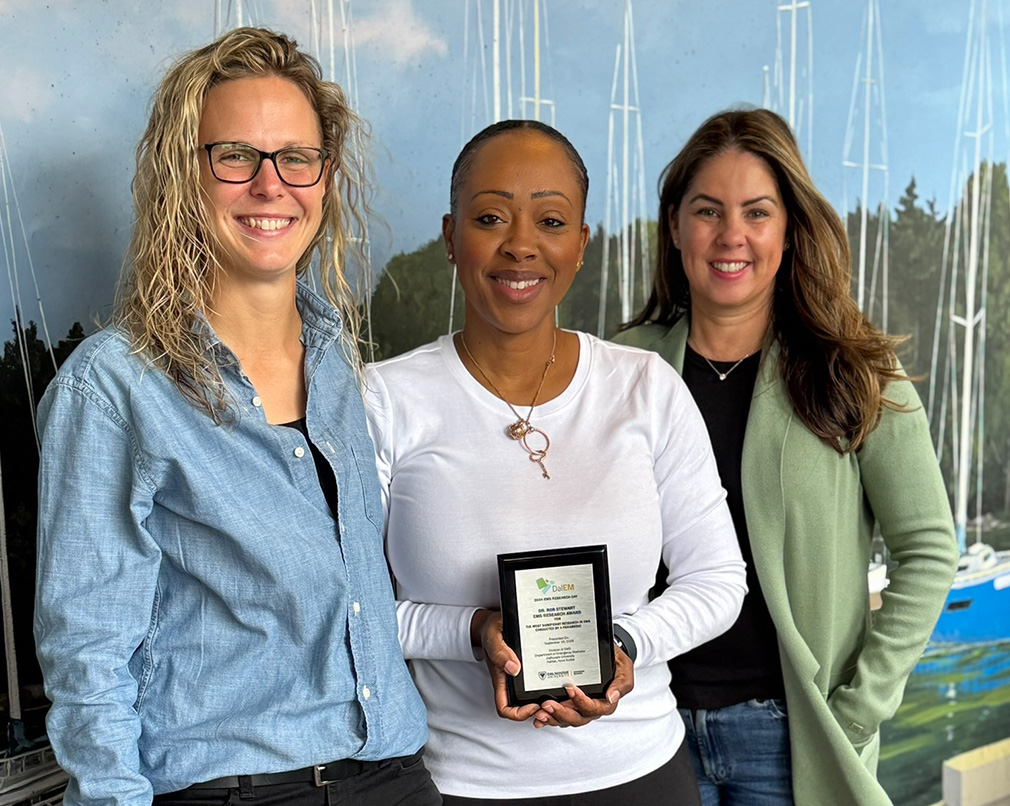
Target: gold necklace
(521,429)
(724,375)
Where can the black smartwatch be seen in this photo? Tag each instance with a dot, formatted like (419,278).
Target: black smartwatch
(624,642)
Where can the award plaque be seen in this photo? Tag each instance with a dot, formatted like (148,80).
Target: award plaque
(555,607)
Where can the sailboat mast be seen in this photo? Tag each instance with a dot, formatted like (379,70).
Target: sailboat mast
(792,66)
(536,59)
(13,688)
(625,236)
(864,201)
(968,360)
(496,60)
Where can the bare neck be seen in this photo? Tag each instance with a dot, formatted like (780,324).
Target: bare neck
(256,320)
(262,327)
(728,336)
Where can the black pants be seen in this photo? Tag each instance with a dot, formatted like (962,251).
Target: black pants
(673,784)
(391,784)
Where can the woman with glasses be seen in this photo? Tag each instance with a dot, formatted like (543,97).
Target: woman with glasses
(214,616)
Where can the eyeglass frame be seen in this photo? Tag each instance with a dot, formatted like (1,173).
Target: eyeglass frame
(265,155)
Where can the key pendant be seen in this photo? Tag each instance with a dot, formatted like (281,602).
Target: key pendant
(539,459)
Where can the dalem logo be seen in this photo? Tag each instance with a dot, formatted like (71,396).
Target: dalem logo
(550,586)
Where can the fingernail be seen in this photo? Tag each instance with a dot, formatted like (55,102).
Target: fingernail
(570,691)
(548,707)
(512,667)
(613,696)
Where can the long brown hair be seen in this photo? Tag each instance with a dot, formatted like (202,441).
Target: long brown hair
(168,275)
(835,364)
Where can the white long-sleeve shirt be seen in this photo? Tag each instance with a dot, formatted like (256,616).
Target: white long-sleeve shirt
(630,466)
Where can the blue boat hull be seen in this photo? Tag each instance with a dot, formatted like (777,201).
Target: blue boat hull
(976,612)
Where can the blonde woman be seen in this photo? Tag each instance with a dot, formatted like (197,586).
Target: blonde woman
(214,617)
(817,434)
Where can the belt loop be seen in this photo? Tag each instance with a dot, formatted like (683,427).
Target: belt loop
(246,790)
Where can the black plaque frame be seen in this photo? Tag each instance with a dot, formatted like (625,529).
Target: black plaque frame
(508,564)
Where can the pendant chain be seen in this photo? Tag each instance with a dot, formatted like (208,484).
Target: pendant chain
(521,429)
(724,375)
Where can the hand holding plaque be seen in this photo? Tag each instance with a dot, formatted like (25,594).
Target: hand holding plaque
(556,616)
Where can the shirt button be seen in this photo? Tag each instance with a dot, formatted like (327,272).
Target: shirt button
(299,452)
(357,607)
(366,692)
(257,401)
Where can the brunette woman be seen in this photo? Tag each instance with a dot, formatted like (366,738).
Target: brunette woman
(818,436)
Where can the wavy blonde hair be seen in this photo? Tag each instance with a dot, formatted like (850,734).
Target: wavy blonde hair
(169,272)
(834,362)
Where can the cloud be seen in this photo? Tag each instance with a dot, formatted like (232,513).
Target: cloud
(396,30)
(26,94)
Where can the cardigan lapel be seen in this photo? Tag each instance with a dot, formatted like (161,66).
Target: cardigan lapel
(765,454)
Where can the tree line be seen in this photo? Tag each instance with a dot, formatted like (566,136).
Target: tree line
(415,293)
(412,302)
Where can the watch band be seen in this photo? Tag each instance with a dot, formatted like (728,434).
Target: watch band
(624,641)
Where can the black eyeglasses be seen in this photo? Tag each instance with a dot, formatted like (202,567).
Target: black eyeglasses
(238,163)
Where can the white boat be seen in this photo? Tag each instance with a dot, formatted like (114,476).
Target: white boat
(32,777)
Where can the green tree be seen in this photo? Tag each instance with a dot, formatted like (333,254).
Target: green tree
(412,300)
(921,286)
(411,303)
(580,309)
(996,448)
(19,464)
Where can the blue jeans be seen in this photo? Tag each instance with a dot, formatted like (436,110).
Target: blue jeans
(741,754)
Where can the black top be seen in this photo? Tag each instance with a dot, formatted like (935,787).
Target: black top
(327,480)
(743,663)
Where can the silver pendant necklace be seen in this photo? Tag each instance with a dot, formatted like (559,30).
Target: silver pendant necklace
(724,375)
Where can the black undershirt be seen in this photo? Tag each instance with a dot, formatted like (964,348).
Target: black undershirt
(327,480)
(742,663)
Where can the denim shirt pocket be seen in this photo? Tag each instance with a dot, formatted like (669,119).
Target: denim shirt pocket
(142,663)
(364,461)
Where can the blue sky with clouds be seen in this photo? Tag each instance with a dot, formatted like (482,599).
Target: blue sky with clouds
(76,78)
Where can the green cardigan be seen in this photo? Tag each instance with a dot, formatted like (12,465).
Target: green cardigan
(810,515)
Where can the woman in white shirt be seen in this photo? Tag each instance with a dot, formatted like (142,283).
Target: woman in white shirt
(611,449)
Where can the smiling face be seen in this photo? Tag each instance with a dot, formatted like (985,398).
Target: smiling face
(730,229)
(263,226)
(517,234)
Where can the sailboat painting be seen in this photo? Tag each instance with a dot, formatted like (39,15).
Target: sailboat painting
(902,112)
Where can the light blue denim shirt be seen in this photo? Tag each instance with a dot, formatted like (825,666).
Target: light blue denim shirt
(199,612)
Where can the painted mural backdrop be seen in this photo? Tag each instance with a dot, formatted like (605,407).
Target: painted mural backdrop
(900,107)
